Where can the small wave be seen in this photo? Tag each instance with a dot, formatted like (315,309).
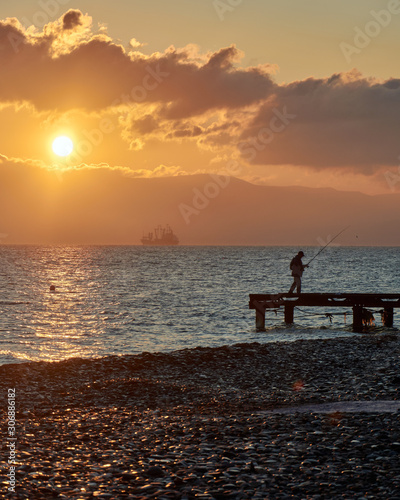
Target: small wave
(11,303)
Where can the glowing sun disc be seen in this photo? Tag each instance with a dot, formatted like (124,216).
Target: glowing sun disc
(63,146)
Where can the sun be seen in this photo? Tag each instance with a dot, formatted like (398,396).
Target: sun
(62,145)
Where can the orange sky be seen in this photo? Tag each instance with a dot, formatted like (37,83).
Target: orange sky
(141,105)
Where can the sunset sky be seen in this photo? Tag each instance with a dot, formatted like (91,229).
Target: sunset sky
(274,92)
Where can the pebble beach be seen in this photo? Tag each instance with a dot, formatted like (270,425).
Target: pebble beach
(232,422)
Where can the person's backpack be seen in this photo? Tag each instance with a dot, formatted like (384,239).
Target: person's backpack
(291,263)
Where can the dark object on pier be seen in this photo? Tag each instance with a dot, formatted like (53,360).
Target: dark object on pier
(357,301)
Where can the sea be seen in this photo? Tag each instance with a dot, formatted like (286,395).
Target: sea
(119,300)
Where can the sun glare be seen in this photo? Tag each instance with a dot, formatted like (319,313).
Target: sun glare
(63,146)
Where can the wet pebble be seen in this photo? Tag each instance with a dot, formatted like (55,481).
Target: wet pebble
(150,426)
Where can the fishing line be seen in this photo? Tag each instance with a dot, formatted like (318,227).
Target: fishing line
(329,242)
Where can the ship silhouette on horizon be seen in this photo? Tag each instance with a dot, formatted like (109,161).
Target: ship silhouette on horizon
(162,236)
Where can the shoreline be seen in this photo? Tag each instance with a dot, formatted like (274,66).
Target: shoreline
(194,423)
(275,334)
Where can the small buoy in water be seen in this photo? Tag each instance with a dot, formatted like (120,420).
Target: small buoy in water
(52,288)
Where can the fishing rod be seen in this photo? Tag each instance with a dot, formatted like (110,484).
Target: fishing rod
(329,242)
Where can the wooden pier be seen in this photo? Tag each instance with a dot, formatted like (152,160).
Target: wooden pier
(359,302)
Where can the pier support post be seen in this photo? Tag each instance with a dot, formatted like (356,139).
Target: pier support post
(260,315)
(289,314)
(260,320)
(357,319)
(388,317)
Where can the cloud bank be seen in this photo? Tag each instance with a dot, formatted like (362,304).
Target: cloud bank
(343,121)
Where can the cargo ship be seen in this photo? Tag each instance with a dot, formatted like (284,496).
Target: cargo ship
(163,236)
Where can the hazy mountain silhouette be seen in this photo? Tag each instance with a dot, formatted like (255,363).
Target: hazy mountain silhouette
(103,207)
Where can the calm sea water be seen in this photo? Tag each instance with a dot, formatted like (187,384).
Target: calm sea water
(126,300)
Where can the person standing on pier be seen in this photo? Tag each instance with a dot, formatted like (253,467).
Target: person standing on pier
(297,267)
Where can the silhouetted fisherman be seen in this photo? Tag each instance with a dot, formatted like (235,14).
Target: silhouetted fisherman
(297,267)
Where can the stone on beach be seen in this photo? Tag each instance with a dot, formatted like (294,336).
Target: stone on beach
(198,423)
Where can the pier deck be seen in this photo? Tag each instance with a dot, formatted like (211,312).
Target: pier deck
(357,301)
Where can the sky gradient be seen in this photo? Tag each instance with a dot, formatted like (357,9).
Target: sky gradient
(277,93)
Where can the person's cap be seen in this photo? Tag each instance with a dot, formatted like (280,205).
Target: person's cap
(301,253)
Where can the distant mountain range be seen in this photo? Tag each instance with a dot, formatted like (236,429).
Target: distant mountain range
(104,207)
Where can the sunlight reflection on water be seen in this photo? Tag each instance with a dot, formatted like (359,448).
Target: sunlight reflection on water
(126,300)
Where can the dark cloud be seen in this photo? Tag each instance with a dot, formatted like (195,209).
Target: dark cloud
(145,125)
(393,83)
(216,85)
(72,19)
(224,58)
(185,132)
(341,121)
(94,73)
